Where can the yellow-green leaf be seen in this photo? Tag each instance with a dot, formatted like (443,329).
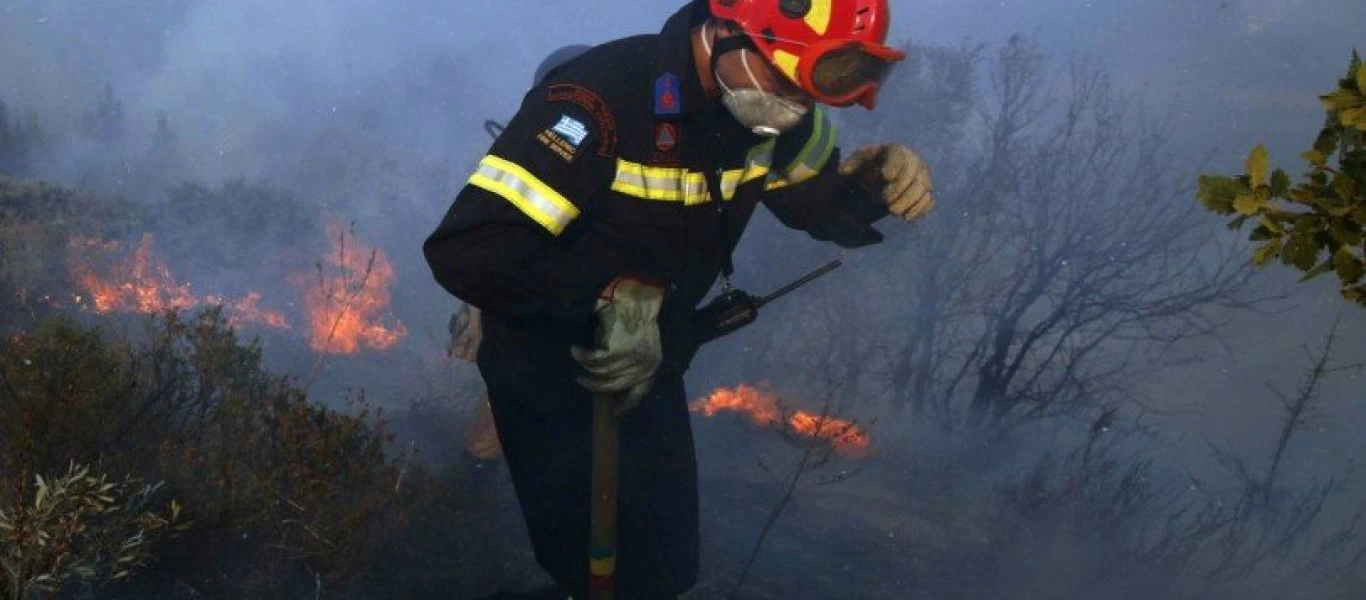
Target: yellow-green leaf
(42,493)
(1248,204)
(1265,253)
(1280,182)
(1345,232)
(1271,225)
(1217,192)
(1344,186)
(1327,140)
(1258,164)
(1314,157)
(1300,250)
(1322,268)
(1354,117)
(1349,267)
(1361,79)
(1342,99)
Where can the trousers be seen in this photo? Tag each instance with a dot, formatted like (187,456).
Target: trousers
(544,422)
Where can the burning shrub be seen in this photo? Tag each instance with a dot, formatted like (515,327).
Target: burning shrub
(37,220)
(346,305)
(799,427)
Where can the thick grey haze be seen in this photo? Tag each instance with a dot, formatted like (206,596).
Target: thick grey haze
(245,68)
(252,86)
(255,87)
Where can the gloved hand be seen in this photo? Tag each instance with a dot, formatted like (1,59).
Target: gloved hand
(466,334)
(628,350)
(897,174)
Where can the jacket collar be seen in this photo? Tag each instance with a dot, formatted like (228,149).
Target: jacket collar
(674,58)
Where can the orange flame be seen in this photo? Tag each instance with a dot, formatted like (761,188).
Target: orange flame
(764,410)
(246,310)
(346,309)
(142,283)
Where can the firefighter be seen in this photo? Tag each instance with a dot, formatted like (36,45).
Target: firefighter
(482,448)
(607,210)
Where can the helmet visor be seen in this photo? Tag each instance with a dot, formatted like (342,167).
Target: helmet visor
(851,73)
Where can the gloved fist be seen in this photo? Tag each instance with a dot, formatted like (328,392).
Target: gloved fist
(897,174)
(466,334)
(628,351)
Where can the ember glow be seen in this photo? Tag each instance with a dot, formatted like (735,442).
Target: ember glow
(764,410)
(347,299)
(142,283)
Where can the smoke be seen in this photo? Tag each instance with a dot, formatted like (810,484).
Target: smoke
(372,110)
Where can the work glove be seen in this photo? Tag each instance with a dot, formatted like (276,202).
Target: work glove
(628,351)
(466,333)
(896,174)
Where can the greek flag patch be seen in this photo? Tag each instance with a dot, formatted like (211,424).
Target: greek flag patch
(572,129)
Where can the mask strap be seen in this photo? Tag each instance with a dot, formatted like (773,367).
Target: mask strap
(744,60)
(723,46)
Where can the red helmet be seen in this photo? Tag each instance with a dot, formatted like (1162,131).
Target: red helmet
(834,50)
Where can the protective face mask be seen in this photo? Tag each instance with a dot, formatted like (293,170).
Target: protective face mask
(762,112)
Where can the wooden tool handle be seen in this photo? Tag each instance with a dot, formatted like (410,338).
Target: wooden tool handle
(602,551)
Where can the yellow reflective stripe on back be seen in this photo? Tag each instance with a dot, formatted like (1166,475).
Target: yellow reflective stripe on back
(676,184)
(663,184)
(530,195)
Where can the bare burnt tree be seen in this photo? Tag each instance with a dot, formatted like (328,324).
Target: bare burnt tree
(1275,517)
(1065,248)
(20,141)
(1101,522)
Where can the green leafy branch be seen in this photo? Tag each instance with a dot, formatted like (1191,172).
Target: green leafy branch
(80,528)
(1315,225)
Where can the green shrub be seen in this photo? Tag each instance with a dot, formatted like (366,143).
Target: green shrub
(275,485)
(1318,224)
(79,528)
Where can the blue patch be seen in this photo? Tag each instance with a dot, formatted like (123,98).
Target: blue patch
(668,95)
(572,129)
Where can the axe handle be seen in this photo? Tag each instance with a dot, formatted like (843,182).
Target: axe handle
(602,551)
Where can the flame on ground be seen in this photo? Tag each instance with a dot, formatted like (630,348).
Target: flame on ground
(764,410)
(347,299)
(142,283)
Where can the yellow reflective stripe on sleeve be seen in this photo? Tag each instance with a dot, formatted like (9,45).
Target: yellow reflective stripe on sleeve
(817,150)
(759,161)
(530,195)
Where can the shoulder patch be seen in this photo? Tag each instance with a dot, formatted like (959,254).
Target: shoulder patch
(666,137)
(572,129)
(605,124)
(564,138)
(668,96)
